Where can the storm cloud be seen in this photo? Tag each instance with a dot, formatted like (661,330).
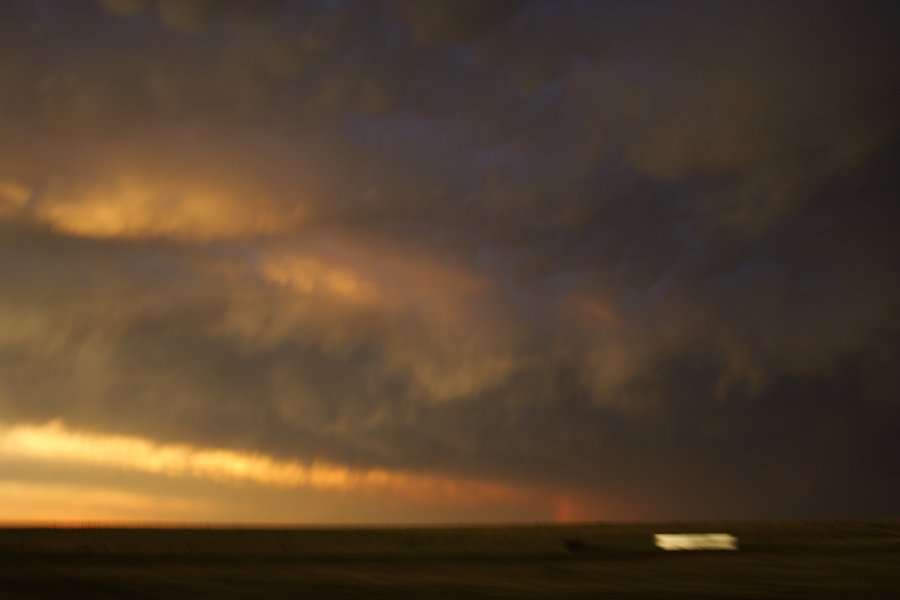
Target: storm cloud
(639,255)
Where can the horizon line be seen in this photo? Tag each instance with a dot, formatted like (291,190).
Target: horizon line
(230,525)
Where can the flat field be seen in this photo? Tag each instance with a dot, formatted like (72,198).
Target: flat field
(819,560)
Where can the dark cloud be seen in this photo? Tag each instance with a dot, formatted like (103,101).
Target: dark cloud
(626,250)
(192,16)
(125,7)
(452,20)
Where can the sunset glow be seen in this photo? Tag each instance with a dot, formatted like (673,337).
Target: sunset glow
(42,503)
(54,443)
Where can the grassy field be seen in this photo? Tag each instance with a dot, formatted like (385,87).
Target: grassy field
(776,560)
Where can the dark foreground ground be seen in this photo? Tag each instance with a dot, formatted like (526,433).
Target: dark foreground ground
(776,560)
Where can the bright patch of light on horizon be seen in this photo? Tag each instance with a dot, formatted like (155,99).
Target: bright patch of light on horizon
(695,541)
(56,502)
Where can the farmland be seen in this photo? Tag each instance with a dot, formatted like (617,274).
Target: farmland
(775,560)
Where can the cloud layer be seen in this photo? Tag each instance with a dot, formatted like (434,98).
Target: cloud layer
(615,251)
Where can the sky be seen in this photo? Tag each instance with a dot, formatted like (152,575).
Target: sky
(337,262)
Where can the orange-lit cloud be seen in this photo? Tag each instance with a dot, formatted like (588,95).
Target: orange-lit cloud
(365,288)
(369,274)
(139,208)
(310,275)
(56,443)
(13,196)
